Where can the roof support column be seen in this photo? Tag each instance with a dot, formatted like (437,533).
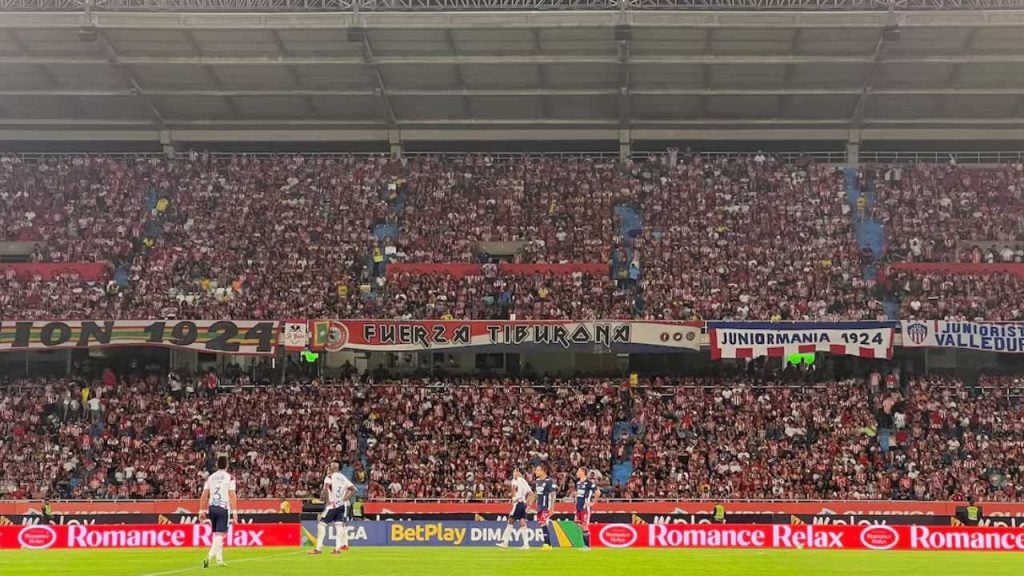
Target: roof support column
(395,144)
(624,37)
(167,143)
(853,148)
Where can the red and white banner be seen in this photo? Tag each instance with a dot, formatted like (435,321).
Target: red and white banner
(295,336)
(820,508)
(86,536)
(614,335)
(90,271)
(815,537)
(81,507)
(756,339)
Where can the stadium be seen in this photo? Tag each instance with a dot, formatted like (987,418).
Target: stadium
(466,287)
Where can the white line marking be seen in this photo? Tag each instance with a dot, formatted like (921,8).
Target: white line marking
(232,563)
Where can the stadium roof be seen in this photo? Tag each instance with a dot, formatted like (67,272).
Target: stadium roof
(191,70)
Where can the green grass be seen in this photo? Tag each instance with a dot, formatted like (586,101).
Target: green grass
(486,561)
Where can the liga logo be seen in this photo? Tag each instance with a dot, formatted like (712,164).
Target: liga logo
(618,535)
(917,332)
(37,537)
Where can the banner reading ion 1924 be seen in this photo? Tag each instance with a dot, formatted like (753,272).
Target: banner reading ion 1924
(755,339)
(222,336)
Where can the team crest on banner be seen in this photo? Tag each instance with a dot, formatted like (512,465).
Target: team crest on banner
(328,335)
(1003,337)
(295,336)
(917,332)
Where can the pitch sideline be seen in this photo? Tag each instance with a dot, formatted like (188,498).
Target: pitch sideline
(190,568)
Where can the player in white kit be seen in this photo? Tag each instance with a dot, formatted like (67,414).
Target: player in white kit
(219,500)
(336,492)
(522,496)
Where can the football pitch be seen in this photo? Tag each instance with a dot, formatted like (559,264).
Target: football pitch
(484,562)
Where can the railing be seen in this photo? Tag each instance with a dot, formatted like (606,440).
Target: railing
(694,498)
(820,156)
(497,5)
(942,157)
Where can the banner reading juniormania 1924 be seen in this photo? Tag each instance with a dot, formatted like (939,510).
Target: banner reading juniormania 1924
(755,339)
(222,336)
(988,337)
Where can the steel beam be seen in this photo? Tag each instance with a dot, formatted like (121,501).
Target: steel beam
(500,5)
(546,92)
(865,90)
(368,58)
(125,73)
(459,59)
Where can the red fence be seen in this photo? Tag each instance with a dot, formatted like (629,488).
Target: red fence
(245,506)
(834,507)
(48,270)
(270,506)
(860,537)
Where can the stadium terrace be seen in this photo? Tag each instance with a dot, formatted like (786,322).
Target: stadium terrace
(449,277)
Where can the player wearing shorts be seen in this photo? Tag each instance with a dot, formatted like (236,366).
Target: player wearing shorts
(337,491)
(586,496)
(218,501)
(522,497)
(544,488)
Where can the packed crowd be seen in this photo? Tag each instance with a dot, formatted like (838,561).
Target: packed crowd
(936,212)
(743,237)
(978,297)
(263,237)
(739,437)
(576,296)
(561,209)
(78,209)
(747,238)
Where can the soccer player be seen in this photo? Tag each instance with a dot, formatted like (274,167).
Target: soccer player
(336,492)
(545,490)
(219,499)
(522,497)
(586,496)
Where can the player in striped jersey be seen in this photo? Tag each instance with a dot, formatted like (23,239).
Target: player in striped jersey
(545,489)
(219,500)
(586,496)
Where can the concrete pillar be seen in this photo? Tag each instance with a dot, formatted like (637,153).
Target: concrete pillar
(167,143)
(625,144)
(853,148)
(395,142)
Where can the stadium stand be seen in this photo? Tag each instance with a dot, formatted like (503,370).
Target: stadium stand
(782,437)
(947,212)
(321,232)
(994,297)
